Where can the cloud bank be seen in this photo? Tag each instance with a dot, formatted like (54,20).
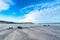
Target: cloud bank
(5,4)
(46,12)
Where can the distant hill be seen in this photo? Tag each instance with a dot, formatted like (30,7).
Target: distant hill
(9,22)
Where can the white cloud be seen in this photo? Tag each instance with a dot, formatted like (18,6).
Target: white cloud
(10,18)
(3,17)
(4,5)
(9,2)
(49,13)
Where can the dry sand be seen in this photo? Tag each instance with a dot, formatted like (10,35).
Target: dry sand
(33,32)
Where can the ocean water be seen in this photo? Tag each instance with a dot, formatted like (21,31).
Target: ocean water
(51,24)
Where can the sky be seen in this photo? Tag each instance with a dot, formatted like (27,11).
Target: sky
(37,11)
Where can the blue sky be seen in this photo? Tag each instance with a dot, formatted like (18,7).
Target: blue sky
(36,11)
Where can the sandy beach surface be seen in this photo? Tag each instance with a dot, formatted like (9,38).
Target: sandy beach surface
(31,32)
